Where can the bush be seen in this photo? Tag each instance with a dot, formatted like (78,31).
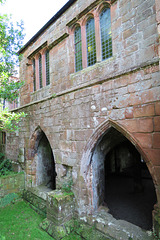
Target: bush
(5,165)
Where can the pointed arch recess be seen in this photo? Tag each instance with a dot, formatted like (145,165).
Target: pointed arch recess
(96,138)
(34,141)
(39,144)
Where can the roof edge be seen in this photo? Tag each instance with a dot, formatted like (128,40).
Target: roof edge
(53,19)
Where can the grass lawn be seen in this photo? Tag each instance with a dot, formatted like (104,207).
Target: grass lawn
(19,221)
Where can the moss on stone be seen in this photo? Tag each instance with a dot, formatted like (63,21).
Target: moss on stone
(72,236)
(58,232)
(70,226)
(45,224)
(12,174)
(89,232)
(72,229)
(59,195)
(9,198)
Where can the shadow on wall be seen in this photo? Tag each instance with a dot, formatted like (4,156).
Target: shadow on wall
(121,180)
(45,165)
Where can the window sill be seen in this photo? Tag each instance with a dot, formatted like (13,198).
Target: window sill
(40,93)
(96,65)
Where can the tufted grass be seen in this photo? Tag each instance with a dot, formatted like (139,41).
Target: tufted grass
(20,222)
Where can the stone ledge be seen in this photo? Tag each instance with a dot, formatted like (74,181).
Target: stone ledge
(13,183)
(118,229)
(38,203)
(73,229)
(60,206)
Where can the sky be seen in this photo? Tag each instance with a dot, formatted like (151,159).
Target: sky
(34,13)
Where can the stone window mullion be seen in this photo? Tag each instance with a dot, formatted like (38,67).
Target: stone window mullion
(97,36)
(84,46)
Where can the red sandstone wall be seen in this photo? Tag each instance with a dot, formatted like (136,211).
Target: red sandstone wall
(124,89)
(135,43)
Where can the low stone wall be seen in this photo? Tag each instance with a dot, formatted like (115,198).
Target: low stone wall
(11,188)
(60,214)
(37,203)
(60,206)
(12,184)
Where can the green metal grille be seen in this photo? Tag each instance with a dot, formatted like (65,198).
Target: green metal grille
(106,35)
(47,67)
(91,42)
(78,48)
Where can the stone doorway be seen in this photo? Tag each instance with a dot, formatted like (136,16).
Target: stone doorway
(45,167)
(41,179)
(121,180)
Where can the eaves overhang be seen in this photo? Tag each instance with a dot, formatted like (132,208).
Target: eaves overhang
(51,21)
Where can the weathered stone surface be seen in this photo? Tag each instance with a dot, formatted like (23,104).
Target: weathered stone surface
(14,183)
(39,204)
(60,206)
(73,229)
(118,229)
(78,108)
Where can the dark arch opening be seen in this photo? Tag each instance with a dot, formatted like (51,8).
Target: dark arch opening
(45,166)
(121,180)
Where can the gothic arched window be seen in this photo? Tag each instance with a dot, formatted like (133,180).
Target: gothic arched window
(91,42)
(106,36)
(78,48)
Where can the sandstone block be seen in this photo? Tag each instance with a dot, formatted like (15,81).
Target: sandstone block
(157,108)
(154,156)
(145,139)
(157,123)
(156,140)
(144,111)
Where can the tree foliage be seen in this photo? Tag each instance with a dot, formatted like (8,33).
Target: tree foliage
(11,39)
(9,120)
(5,165)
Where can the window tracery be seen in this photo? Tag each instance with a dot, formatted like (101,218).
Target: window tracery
(41,69)
(93,37)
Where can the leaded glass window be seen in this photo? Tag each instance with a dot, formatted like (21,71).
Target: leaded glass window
(40,71)
(106,36)
(34,75)
(91,42)
(47,67)
(78,48)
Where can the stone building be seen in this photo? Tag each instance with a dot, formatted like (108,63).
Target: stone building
(91,92)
